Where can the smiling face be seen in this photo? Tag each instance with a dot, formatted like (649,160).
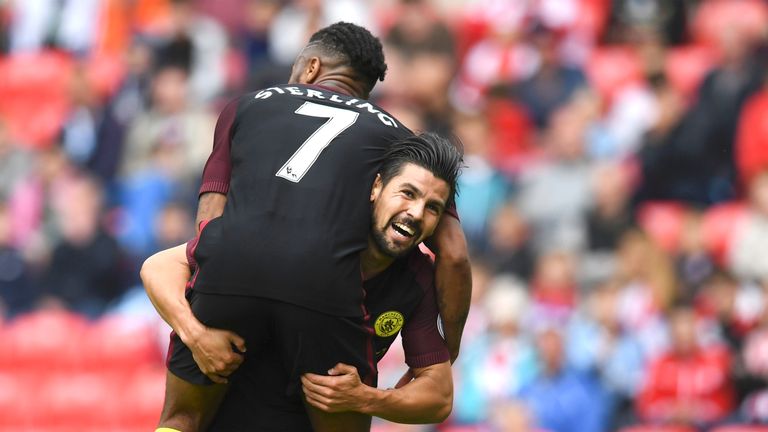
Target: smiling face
(407,209)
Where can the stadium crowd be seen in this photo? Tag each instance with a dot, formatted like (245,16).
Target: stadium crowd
(615,195)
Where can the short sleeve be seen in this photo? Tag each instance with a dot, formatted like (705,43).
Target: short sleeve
(218,168)
(422,342)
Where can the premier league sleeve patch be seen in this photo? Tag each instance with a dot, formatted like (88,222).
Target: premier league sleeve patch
(389,323)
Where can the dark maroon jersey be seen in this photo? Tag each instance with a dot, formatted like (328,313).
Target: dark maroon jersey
(297,164)
(403,297)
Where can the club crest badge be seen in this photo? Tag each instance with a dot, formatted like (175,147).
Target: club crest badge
(389,323)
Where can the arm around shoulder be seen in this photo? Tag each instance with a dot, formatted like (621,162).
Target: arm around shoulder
(453,279)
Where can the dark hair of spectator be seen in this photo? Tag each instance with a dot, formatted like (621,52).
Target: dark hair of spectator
(441,156)
(361,49)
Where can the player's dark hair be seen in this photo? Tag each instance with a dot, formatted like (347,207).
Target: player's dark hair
(358,46)
(441,156)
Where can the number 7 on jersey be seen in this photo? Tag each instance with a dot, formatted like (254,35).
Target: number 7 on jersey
(302,160)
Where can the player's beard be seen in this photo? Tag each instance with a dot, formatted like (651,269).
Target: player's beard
(384,245)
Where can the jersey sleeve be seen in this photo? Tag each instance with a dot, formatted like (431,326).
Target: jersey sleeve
(422,342)
(218,168)
(451,210)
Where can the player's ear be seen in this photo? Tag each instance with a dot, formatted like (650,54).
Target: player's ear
(378,184)
(311,71)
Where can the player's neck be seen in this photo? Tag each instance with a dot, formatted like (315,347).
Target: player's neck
(340,83)
(373,262)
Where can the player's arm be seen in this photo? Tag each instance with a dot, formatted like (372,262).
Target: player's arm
(165,275)
(428,398)
(218,168)
(453,279)
(209,206)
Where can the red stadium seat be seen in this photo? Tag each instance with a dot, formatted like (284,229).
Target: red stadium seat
(143,392)
(720,224)
(18,405)
(686,66)
(714,17)
(120,344)
(105,72)
(33,95)
(663,221)
(612,68)
(740,428)
(78,400)
(657,428)
(43,341)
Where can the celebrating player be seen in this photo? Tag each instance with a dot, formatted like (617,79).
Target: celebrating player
(416,182)
(290,170)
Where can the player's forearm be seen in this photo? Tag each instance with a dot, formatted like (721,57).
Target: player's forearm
(426,399)
(209,206)
(165,275)
(453,279)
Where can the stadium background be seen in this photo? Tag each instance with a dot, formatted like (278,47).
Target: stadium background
(615,197)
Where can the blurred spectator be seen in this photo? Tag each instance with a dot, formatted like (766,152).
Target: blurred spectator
(129,100)
(600,345)
(509,248)
(512,131)
(483,188)
(512,416)
(748,258)
(554,290)
(31,203)
(85,269)
(736,311)
(173,226)
(198,44)
(477,321)
(648,287)
(634,109)
(17,293)
(173,125)
(553,84)
(610,216)
(418,28)
(694,262)
(298,19)
(80,132)
(429,75)
(555,193)
(689,384)
(666,18)
(562,399)
(15,162)
(719,299)
(501,57)
(755,383)
(71,24)
(704,172)
(659,162)
(259,15)
(496,365)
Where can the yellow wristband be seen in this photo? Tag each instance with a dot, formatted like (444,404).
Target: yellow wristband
(165,429)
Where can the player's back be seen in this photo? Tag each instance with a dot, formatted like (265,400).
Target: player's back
(303,160)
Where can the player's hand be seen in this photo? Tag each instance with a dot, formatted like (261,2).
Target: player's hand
(341,391)
(405,379)
(213,353)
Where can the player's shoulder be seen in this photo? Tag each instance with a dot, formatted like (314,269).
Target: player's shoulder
(421,264)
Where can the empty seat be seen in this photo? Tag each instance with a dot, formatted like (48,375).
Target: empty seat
(43,341)
(33,95)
